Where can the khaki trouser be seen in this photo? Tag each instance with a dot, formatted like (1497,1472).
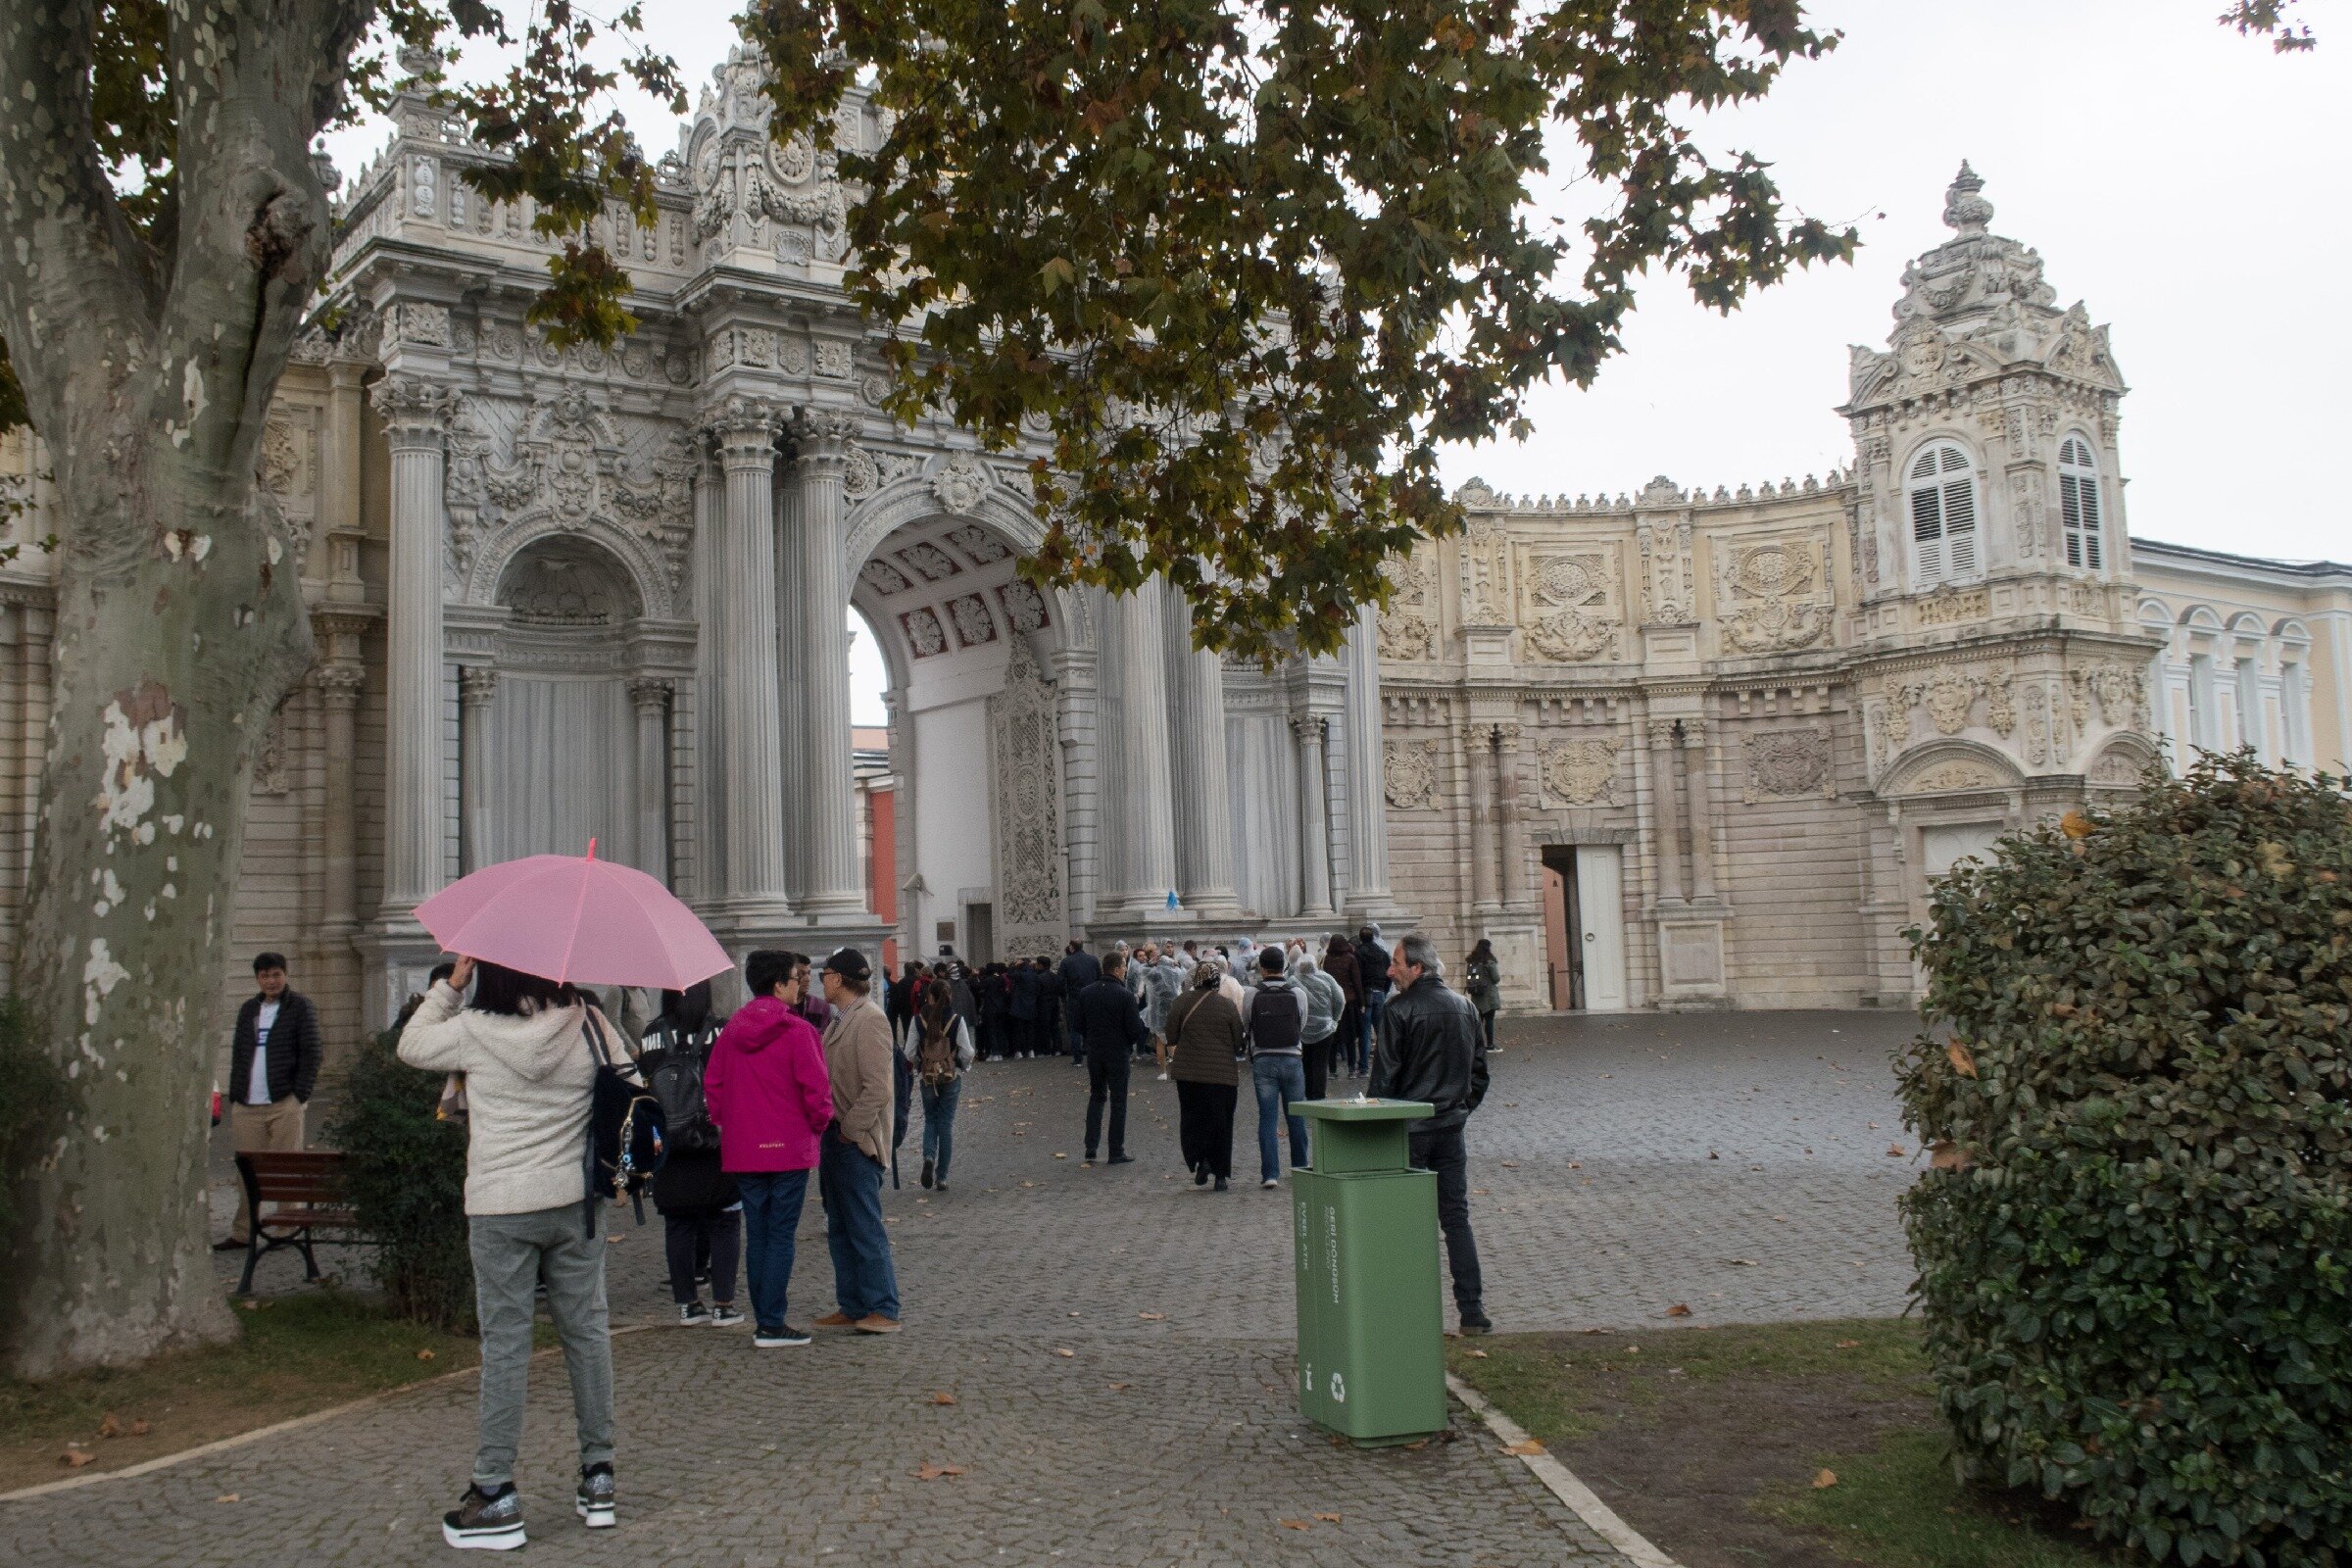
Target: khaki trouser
(276,1126)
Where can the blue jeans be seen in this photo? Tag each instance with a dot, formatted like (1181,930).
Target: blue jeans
(1281,1081)
(850,1182)
(1374,1002)
(772,1214)
(939,1122)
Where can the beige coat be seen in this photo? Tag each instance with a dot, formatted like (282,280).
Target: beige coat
(857,1057)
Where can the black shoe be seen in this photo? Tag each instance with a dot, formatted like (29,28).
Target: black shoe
(926,1173)
(1220,1187)
(481,1522)
(943,1185)
(594,1502)
(783,1337)
(1120,1160)
(1200,1174)
(1090,1157)
(1477,1323)
(228,1243)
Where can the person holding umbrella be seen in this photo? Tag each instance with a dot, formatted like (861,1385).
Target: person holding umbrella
(534,1050)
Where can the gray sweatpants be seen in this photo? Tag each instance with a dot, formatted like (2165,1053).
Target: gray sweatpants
(511,1254)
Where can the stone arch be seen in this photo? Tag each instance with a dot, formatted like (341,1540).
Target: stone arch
(568,579)
(1949,766)
(640,559)
(2121,761)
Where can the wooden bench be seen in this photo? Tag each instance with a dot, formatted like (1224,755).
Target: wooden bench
(308,1190)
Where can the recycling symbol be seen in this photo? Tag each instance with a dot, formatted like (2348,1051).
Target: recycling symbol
(1339,1389)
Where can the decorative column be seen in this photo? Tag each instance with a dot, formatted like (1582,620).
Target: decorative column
(1202,808)
(415,415)
(1510,854)
(1665,786)
(651,695)
(1146,824)
(826,789)
(339,696)
(478,685)
(750,716)
(1480,739)
(1702,813)
(1314,840)
(1368,894)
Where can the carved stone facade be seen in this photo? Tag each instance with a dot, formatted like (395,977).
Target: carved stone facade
(1771,713)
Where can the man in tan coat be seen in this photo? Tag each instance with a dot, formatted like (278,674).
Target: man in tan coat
(857,1150)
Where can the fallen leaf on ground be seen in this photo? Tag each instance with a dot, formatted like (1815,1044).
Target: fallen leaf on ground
(1061,1156)
(1711,1155)
(1847,1344)
(251,1306)
(1152,1317)
(1678,1310)
(1523,1449)
(1824,1479)
(1297,1523)
(1412,1446)
(1479,1192)
(932,1472)
(1576,1164)
(75,1458)
(1633,1350)
(229,1497)
(1064,1354)
(1480,1354)
(615,1239)
(1510,1165)
(1329,1518)
(1894,1150)
(424,1355)
(140,1429)
(107,1426)
(1743,1262)
(943,1398)
(1121,1387)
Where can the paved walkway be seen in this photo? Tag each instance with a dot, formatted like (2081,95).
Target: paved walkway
(1738,1165)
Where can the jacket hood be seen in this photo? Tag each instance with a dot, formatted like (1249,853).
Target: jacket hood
(533,1046)
(761,1022)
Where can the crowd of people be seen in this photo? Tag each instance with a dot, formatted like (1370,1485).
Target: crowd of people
(819,1072)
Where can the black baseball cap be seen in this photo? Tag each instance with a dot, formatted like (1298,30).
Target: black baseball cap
(849,964)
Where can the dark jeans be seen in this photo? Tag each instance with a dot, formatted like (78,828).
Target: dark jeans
(939,1123)
(1280,1084)
(772,1214)
(1348,1046)
(1107,1079)
(692,1232)
(901,1086)
(1374,1002)
(1445,1153)
(1485,1021)
(1204,1125)
(850,1182)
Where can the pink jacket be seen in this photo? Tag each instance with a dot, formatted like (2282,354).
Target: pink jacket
(767,1090)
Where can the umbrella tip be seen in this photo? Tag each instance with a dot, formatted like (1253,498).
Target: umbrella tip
(592,849)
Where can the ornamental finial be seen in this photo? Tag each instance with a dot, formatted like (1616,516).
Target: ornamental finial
(1963,207)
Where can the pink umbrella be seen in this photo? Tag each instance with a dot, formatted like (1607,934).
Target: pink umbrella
(579,918)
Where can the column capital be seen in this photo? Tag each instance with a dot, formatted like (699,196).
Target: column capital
(477,685)
(650,693)
(821,436)
(415,411)
(338,684)
(1665,734)
(1309,727)
(1506,734)
(744,427)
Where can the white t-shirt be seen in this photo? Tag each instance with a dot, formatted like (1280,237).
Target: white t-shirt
(257,1084)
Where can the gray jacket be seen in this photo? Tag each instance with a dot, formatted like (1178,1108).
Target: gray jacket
(1325,1002)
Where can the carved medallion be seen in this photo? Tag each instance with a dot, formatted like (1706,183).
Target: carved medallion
(1786,764)
(923,632)
(975,626)
(1410,775)
(1583,773)
(960,481)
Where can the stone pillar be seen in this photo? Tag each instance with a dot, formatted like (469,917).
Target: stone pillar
(1702,813)
(1314,837)
(478,685)
(415,416)
(1145,821)
(651,695)
(1479,739)
(1368,894)
(826,789)
(339,696)
(749,720)
(1202,808)
(903,769)
(1665,785)
(1512,855)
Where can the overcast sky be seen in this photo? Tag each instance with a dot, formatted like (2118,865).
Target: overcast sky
(2186,185)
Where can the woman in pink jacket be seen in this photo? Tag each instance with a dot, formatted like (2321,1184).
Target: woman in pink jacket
(772,1100)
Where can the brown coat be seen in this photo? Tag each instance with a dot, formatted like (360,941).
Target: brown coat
(857,1053)
(1204,1033)
(1339,963)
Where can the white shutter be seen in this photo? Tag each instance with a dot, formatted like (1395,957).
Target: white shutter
(1927,534)
(2089,488)
(1960,524)
(2070,508)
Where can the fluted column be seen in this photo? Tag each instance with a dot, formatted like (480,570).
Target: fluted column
(1664,786)
(477,686)
(750,738)
(1144,823)
(651,695)
(1367,804)
(339,698)
(1314,838)
(1480,739)
(415,414)
(827,788)
(1202,808)
(1702,813)
(1510,854)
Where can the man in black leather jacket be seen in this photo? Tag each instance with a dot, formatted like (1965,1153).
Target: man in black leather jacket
(1431,1049)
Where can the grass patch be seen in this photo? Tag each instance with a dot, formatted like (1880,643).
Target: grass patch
(1672,1420)
(296,1354)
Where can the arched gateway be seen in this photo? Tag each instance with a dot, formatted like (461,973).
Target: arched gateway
(613,586)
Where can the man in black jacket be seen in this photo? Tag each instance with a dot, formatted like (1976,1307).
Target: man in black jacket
(273,1067)
(1373,979)
(1078,971)
(1110,1025)
(1431,1049)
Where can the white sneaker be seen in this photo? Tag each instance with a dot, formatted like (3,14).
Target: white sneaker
(726,1317)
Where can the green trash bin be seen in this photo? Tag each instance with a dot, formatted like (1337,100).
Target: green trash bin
(1371,1322)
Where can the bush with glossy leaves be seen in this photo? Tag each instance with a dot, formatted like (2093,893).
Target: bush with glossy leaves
(2135,1243)
(404,1171)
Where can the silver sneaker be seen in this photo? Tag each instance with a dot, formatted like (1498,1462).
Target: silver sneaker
(483,1523)
(594,1502)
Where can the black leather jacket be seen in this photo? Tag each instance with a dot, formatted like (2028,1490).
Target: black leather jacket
(1431,1048)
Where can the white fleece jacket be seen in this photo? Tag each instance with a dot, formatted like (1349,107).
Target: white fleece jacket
(528,1085)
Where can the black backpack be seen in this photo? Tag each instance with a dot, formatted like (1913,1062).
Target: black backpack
(673,1071)
(627,1136)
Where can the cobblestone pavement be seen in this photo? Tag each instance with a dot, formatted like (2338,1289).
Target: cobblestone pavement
(1161,1438)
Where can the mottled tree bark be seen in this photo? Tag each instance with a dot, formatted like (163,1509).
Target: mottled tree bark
(149,363)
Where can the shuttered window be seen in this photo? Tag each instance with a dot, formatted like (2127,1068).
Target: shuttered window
(2079,504)
(1943,515)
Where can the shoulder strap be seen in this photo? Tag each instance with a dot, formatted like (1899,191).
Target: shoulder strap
(595,1033)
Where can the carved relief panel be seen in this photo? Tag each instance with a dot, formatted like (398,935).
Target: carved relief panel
(1571,608)
(1785,765)
(1581,773)
(1668,586)
(1773,594)
(1406,625)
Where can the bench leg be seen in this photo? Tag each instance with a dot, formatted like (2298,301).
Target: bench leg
(253,1255)
(310,1264)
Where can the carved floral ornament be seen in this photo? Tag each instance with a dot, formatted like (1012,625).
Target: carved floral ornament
(960,482)
(1773,594)
(1571,615)
(1581,773)
(1948,696)
(1784,765)
(1410,775)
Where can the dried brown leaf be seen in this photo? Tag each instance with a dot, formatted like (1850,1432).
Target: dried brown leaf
(1523,1450)
(1824,1479)
(943,1398)
(1678,1310)
(75,1458)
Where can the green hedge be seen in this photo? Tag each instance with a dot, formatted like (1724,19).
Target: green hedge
(405,1172)
(2136,1255)
(33,1096)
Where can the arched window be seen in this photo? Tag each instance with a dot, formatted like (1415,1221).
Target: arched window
(1944,514)
(2078,503)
